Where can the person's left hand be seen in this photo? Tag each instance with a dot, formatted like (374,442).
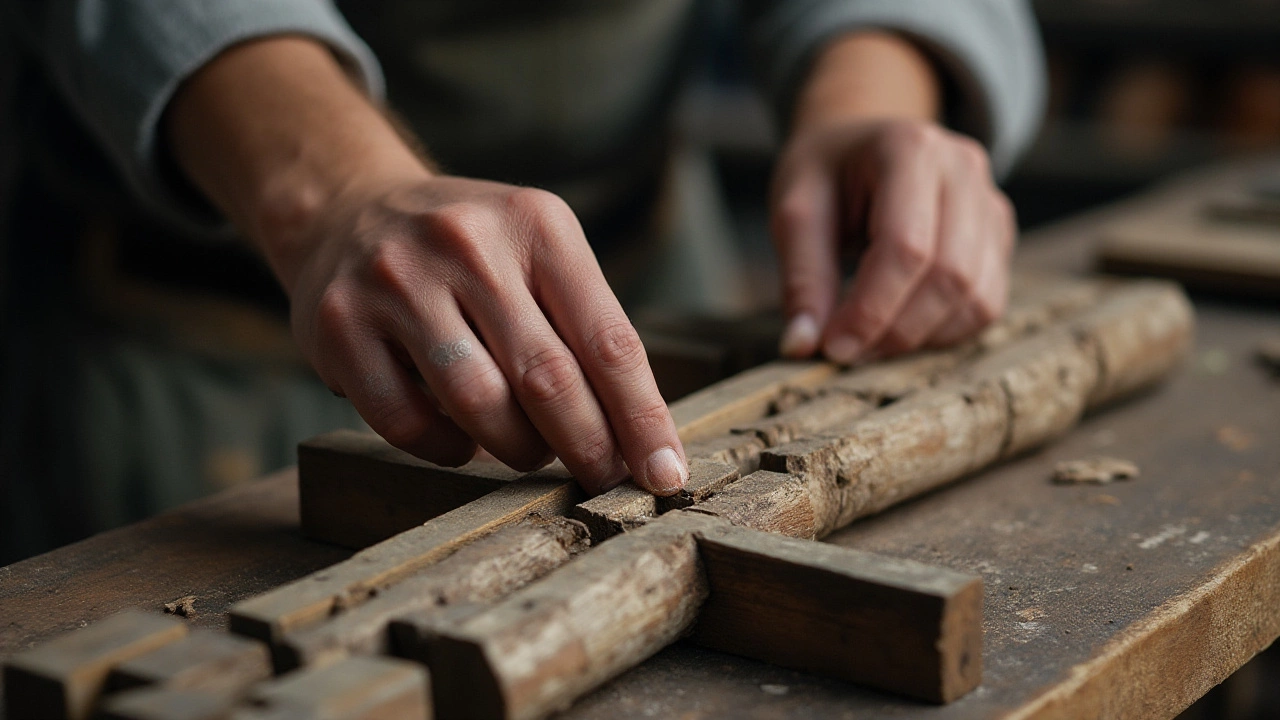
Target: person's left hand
(938,232)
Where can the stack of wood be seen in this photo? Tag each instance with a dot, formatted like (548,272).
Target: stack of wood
(509,597)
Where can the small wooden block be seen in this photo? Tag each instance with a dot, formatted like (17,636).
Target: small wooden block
(357,688)
(167,703)
(64,677)
(767,501)
(268,617)
(895,625)
(627,507)
(545,645)
(355,489)
(215,662)
(743,398)
(480,572)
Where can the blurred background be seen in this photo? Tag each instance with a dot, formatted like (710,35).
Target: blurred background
(1139,90)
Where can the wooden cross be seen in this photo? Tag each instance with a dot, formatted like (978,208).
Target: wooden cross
(484,594)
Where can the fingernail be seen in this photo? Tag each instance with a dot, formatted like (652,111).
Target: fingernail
(843,348)
(800,336)
(665,473)
(617,474)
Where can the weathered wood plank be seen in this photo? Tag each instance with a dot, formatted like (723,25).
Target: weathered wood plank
(356,688)
(480,572)
(64,677)
(896,625)
(743,398)
(543,646)
(269,616)
(204,660)
(355,489)
(167,703)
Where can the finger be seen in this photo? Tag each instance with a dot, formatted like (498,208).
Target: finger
(363,368)
(950,282)
(593,324)
(469,385)
(902,231)
(548,383)
(987,301)
(805,229)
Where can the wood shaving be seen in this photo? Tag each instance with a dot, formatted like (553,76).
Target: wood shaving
(184,606)
(1096,470)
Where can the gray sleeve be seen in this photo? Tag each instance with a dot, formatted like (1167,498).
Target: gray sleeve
(989,49)
(119,62)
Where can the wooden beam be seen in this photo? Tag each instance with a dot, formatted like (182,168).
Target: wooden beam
(356,688)
(743,398)
(64,677)
(480,572)
(203,660)
(541,647)
(268,617)
(355,489)
(892,624)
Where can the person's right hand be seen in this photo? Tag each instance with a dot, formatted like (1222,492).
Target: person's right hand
(492,294)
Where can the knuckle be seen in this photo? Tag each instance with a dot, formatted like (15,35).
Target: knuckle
(973,154)
(952,281)
(649,417)
(617,346)
(548,375)
(593,450)
(476,394)
(865,320)
(335,310)
(911,249)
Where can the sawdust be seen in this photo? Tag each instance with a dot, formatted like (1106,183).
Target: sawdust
(184,606)
(1097,470)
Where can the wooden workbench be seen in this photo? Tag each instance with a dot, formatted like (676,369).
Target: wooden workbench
(1126,600)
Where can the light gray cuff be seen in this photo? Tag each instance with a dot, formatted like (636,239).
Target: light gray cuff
(120,62)
(989,49)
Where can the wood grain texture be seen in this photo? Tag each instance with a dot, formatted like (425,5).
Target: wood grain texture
(543,646)
(743,398)
(480,572)
(215,662)
(767,501)
(355,489)
(269,616)
(356,688)
(167,703)
(736,449)
(807,418)
(64,677)
(897,625)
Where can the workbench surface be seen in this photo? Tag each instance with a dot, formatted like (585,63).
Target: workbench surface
(1124,600)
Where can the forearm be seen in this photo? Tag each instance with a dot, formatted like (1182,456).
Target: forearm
(867,76)
(271,131)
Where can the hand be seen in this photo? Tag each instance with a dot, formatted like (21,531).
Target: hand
(939,238)
(492,294)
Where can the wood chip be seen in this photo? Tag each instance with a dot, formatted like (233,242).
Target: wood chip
(1097,470)
(184,606)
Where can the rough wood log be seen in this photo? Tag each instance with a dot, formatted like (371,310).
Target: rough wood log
(355,489)
(627,507)
(308,600)
(356,688)
(548,643)
(167,703)
(204,660)
(892,624)
(64,677)
(738,450)
(807,418)
(480,572)
(743,398)
(927,439)
(767,501)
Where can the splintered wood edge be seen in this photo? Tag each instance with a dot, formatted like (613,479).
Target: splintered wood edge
(310,599)
(1161,664)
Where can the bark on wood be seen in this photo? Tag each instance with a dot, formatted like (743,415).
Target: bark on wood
(355,489)
(1142,330)
(357,688)
(64,677)
(892,624)
(481,572)
(269,616)
(547,644)
(204,660)
(168,703)
(743,398)
(627,507)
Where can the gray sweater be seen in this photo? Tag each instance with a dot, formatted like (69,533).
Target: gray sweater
(540,92)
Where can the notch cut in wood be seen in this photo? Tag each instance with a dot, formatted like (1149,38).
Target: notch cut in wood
(63,678)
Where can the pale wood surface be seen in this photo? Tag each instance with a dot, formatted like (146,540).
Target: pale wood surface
(1199,528)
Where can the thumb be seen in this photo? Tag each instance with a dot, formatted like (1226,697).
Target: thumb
(804,224)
